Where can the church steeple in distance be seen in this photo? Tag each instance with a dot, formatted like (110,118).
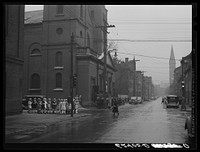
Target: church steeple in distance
(172,66)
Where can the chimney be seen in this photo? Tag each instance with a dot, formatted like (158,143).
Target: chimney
(126,60)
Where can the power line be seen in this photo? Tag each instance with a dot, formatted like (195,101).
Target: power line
(146,56)
(129,40)
(144,40)
(134,22)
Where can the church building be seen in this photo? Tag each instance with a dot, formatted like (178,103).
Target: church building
(48,47)
(172,66)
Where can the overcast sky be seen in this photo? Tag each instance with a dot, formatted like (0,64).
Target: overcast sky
(150,22)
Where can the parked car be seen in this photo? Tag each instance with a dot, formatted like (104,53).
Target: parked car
(26,97)
(172,101)
(133,100)
(188,126)
(139,100)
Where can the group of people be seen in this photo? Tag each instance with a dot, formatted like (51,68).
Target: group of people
(48,106)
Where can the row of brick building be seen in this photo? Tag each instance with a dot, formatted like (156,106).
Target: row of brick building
(131,82)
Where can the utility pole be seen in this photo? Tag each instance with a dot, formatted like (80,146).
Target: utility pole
(104,29)
(134,61)
(72,72)
(143,84)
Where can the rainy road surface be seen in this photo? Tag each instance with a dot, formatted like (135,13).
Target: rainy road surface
(149,122)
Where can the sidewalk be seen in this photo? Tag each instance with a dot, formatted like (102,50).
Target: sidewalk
(30,121)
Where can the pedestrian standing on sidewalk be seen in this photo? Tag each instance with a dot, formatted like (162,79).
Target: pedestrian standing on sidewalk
(60,105)
(49,108)
(29,105)
(73,106)
(44,105)
(70,107)
(64,106)
(67,107)
(34,105)
(54,105)
(39,106)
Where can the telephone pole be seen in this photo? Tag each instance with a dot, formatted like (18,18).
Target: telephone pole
(72,72)
(143,85)
(134,62)
(104,30)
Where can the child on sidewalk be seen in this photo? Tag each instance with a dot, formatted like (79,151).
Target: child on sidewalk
(49,109)
(54,105)
(39,106)
(29,105)
(34,105)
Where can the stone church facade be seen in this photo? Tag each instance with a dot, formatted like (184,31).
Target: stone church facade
(14,59)
(47,51)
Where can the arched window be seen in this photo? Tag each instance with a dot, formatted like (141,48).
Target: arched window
(35,81)
(58,80)
(88,40)
(35,51)
(59,9)
(58,62)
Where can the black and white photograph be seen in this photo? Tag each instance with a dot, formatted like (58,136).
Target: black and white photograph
(100,76)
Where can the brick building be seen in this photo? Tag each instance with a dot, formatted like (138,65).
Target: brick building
(48,51)
(184,73)
(14,26)
(125,77)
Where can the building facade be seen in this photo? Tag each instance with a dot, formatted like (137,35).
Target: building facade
(125,77)
(148,90)
(14,26)
(48,48)
(184,73)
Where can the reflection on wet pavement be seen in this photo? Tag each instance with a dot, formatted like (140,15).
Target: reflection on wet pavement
(143,123)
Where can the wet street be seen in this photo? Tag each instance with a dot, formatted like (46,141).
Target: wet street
(149,122)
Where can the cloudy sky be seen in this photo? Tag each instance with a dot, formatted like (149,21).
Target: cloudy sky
(137,25)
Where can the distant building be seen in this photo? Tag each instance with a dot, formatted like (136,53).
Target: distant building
(187,73)
(14,57)
(177,81)
(139,83)
(186,76)
(148,88)
(47,54)
(126,77)
(172,66)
